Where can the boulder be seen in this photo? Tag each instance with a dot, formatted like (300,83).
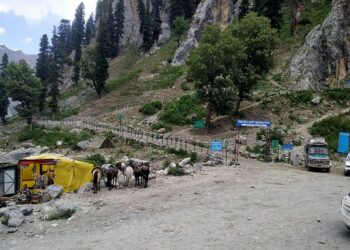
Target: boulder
(316,100)
(210,163)
(15,218)
(27,145)
(161,130)
(184,162)
(26,210)
(58,210)
(83,144)
(151,120)
(52,192)
(172,165)
(87,188)
(16,155)
(166,171)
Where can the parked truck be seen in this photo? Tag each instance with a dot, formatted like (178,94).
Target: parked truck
(317,155)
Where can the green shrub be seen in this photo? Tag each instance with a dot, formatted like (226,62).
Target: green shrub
(49,137)
(110,135)
(96,159)
(185,86)
(151,108)
(330,128)
(300,97)
(160,125)
(339,95)
(177,171)
(4,220)
(177,112)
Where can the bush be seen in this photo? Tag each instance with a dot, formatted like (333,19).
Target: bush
(49,137)
(177,171)
(330,128)
(300,97)
(96,159)
(151,108)
(339,95)
(185,86)
(177,112)
(160,125)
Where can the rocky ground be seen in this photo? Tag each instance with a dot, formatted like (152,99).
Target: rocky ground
(251,206)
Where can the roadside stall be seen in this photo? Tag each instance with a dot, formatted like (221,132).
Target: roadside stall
(37,172)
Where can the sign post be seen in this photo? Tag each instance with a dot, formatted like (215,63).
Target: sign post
(199,123)
(343,143)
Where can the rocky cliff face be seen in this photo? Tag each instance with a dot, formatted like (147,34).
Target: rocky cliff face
(132,36)
(324,59)
(208,11)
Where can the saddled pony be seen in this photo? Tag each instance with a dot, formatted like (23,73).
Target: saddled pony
(96,179)
(141,172)
(112,177)
(125,170)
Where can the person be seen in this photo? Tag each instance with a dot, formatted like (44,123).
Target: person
(50,177)
(27,193)
(38,180)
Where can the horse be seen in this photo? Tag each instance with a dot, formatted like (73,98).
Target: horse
(96,179)
(125,170)
(112,177)
(141,171)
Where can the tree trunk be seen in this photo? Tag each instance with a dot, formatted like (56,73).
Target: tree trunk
(238,104)
(3,120)
(208,118)
(30,123)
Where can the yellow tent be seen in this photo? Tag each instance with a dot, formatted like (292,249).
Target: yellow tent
(68,173)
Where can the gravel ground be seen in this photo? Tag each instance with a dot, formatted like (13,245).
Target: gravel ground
(252,206)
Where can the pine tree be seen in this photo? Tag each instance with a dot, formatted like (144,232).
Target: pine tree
(64,39)
(78,38)
(4,98)
(109,24)
(4,61)
(89,30)
(99,10)
(56,66)
(271,9)
(185,8)
(156,21)
(103,39)
(142,13)
(43,69)
(147,29)
(119,18)
(244,8)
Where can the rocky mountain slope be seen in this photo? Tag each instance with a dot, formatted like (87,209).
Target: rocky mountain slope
(17,55)
(324,59)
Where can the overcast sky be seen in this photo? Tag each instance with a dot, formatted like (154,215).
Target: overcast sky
(23,22)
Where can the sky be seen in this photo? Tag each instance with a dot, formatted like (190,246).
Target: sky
(23,22)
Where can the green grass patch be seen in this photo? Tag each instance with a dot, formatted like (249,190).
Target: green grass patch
(177,171)
(178,112)
(96,159)
(49,137)
(151,108)
(168,76)
(160,125)
(330,128)
(300,97)
(73,90)
(65,114)
(341,96)
(122,80)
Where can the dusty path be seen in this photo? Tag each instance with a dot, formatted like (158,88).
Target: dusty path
(253,206)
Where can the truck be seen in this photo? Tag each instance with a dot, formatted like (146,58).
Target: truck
(317,155)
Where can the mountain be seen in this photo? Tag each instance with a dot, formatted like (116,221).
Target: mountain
(15,56)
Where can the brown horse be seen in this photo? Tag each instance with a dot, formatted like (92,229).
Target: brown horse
(112,177)
(96,179)
(141,171)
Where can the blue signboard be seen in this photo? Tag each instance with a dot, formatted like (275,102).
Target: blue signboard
(245,123)
(287,147)
(343,143)
(347,82)
(216,146)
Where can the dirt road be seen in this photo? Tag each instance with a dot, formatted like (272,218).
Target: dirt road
(252,206)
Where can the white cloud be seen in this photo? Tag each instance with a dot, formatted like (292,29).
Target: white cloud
(28,40)
(36,10)
(2,31)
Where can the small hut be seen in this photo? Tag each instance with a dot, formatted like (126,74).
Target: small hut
(101,142)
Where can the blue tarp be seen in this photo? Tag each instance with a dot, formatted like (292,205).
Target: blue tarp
(343,143)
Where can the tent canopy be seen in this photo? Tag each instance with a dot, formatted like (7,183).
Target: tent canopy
(69,173)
